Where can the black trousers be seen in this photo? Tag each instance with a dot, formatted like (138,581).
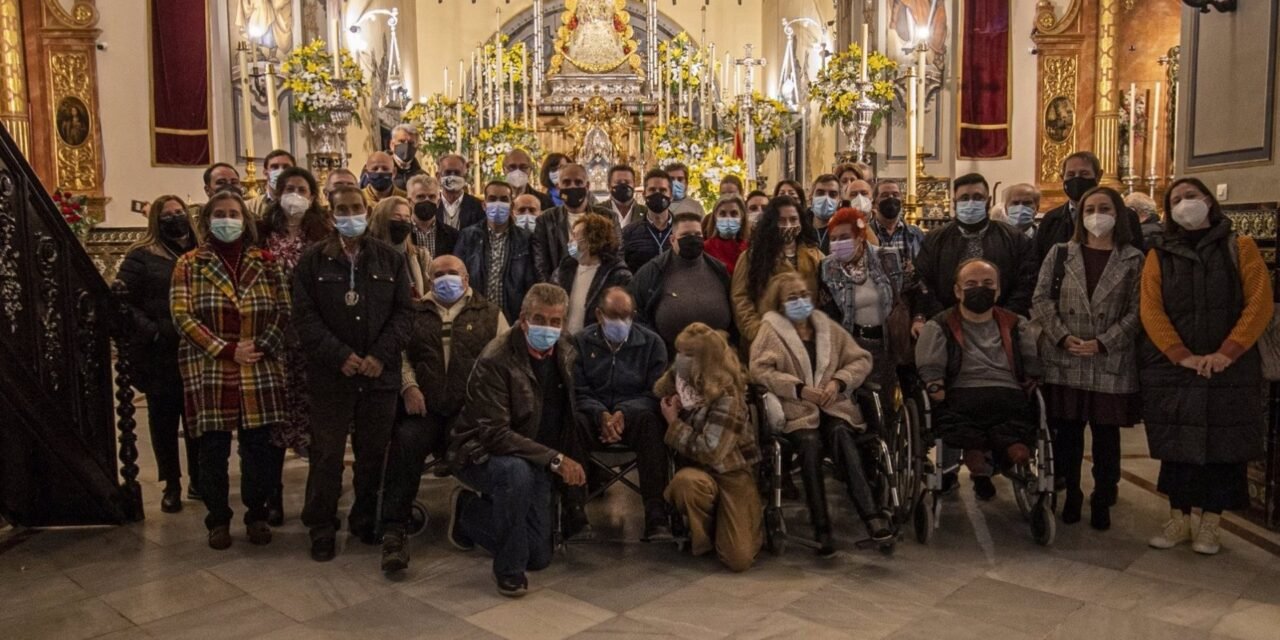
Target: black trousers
(255,474)
(836,439)
(987,419)
(413,439)
(368,417)
(164,418)
(642,432)
(1069,454)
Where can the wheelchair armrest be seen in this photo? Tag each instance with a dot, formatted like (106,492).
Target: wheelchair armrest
(870,386)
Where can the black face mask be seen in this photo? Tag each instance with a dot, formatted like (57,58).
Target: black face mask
(890,208)
(405,152)
(174,227)
(574,197)
(425,210)
(979,299)
(380,181)
(689,247)
(622,192)
(657,202)
(1078,186)
(399,230)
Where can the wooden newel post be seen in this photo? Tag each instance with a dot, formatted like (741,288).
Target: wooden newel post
(124,407)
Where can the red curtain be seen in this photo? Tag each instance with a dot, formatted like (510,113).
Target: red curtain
(179,83)
(984,85)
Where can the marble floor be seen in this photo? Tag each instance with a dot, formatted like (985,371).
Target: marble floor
(980,577)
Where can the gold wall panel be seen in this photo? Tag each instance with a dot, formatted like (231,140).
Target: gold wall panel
(13,76)
(1058,125)
(71,79)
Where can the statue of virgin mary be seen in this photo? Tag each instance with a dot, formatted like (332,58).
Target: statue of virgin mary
(595,37)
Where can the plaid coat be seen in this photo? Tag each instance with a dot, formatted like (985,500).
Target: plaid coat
(1110,316)
(212,314)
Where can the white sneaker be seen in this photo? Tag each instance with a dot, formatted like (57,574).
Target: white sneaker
(1208,538)
(1176,531)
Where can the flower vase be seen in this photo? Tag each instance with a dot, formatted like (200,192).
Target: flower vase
(327,148)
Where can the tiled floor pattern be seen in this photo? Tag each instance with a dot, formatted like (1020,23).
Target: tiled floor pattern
(981,577)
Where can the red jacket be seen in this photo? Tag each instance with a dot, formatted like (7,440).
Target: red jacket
(726,251)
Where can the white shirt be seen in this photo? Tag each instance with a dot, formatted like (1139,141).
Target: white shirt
(451,210)
(578,298)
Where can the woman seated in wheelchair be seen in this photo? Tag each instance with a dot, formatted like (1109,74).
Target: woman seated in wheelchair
(709,429)
(978,363)
(813,365)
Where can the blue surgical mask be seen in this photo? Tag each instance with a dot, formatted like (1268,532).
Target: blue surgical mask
(728,227)
(572,247)
(497,212)
(616,331)
(678,189)
(226,229)
(823,207)
(541,338)
(971,211)
(799,309)
(448,288)
(1021,215)
(351,226)
(273,176)
(526,221)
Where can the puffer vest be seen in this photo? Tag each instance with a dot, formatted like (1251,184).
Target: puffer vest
(446,387)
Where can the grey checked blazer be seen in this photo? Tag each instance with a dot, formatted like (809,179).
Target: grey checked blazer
(1110,316)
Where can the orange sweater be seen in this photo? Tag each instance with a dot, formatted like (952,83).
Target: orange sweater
(1253,319)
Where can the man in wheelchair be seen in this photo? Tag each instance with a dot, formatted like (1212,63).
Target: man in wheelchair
(978,363)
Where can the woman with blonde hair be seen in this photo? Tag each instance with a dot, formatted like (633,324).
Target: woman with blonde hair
(813,365)
(392,223)
(709,428)
(146,274)
(230,304)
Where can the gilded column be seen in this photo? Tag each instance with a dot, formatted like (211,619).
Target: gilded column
(1106,119)
(13,77)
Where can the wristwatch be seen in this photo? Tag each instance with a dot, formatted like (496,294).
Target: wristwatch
(556,462)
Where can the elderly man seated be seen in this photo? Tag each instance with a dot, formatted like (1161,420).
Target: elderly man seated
(618,364)
(450,329)
(978,362)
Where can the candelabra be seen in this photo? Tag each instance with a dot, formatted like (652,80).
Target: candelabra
(329,135)
(1153,182)
(1130,181)
(856,130)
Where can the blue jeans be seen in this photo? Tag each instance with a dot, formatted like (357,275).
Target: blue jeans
(512,519)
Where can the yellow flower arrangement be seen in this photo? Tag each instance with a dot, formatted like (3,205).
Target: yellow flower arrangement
(680,63)
(836,89)
(706,173)
(495,142)
(436,120)
(308,73)
(512,62)
(772,120)
(680,140)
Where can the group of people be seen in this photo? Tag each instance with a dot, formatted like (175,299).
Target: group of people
(506,334)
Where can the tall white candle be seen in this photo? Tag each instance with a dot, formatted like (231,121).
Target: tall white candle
(498,71)
(524,77)
(737,81)
(457,139)
(724,75)
(923,93)
(445,86)
(246,111)
(462,79)
(1133,127)
(1155,130)
(866,51)
(273,110)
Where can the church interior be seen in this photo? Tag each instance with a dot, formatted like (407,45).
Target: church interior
(104,106)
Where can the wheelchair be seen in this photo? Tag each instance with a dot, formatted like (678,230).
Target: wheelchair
(880,463)
(1032,481)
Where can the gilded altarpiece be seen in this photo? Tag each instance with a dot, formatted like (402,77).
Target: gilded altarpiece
(1070,64)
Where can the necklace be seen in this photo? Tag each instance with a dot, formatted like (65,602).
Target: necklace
(856,269)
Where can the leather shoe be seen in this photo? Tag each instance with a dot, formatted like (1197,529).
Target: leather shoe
(395,557)
(193,493)
(171,502)
(1100,512)
(1071,506)
(259,533)
(275,508)
(323,549)
(984,488)
(512,586)
(220,537)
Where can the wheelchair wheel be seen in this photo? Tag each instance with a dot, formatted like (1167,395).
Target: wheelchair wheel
(922,518)
(775,529)
(1022,480)
(907,450)
(417,520)
(1043,523)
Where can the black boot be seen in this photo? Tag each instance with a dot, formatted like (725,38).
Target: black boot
(1100,508)
(395,555)
(1071,506)
(171,502)
(275,507)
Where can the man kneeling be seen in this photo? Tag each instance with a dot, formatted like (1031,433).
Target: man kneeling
(978,362)
(519,395)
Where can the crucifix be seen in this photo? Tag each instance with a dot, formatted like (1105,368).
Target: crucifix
(744,110)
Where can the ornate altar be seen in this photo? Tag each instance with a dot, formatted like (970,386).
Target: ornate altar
(599,134)
(595,55)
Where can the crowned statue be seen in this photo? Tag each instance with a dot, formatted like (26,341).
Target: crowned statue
(595,36)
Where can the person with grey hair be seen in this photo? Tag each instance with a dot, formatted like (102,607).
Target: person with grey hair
(1021,204)
(507,444)
(1148,215)
(403,147)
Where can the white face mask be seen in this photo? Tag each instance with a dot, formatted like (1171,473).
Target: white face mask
(1099,224)
(294,204)
(861,203)
(517,178)
(1191,214)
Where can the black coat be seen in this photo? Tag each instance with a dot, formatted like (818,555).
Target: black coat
(622,380)
(446,238)
(943,250)
(640,242)
(471,212)
(544,201)
(611,273)
(517,278)
(147,273)
(551,239)
(1189,418)
(330,331)
(1057,226)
